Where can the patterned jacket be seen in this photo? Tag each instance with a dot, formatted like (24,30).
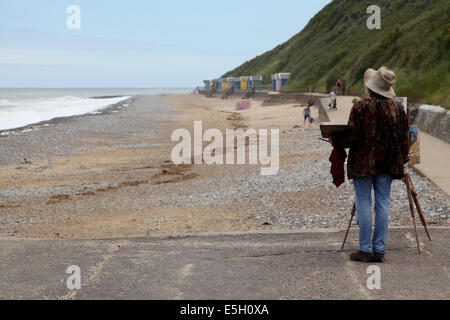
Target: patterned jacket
(380,138)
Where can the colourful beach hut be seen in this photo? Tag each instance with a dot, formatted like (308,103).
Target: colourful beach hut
(216,83)
(284,78)
(244,83)
(274,82)
(230,81)
(237,83)
(255,82)
(207,84)
(224,83)
(277,82)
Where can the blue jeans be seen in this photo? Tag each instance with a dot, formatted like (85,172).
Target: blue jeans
(363,192)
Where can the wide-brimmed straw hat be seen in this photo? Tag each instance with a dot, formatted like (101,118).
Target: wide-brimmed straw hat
(380,81)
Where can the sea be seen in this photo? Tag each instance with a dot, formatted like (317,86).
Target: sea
(22,107)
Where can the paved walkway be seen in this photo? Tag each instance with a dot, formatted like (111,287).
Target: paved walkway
(435,153)
(289,265)
(435,160)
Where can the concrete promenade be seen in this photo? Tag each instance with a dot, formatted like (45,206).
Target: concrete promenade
(282,265)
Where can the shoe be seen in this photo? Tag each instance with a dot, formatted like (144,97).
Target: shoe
(378,257)
(361,256)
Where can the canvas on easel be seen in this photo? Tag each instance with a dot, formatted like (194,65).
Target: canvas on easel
(414,146)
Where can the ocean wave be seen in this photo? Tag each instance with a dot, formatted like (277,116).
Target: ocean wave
(15,114)
(6,103)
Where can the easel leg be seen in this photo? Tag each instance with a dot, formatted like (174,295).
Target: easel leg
(415,230)
(418,207)
(349,225)
(411,208)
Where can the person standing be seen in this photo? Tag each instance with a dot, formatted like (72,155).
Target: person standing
(332,96)
(307,113)
(379,146)
(338,87)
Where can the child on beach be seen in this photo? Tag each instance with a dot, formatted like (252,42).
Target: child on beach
(307,114)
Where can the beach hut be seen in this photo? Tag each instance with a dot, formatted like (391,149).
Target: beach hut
(237,83)
(230,81)
(244,83)
(277,82)
(216,84)
(207,84)
(224,83)
(284,78)
(255,82)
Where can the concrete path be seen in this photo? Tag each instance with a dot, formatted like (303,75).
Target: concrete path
(435,153)
(290,265)
(435,160)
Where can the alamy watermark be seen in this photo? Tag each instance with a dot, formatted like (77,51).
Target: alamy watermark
(374,281)
(74,280)
(74,20)
(374,20)
(220,152)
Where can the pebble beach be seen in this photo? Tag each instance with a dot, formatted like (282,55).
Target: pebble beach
(109,174)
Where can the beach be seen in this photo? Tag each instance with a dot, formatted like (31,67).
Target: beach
(110,175)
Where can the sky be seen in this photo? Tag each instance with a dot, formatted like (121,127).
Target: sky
(139,43)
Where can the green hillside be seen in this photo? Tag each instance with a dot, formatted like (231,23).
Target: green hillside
(414,41)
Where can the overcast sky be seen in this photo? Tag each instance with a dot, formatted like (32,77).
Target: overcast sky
(140,43)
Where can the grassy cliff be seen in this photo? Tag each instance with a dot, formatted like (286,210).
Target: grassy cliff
(414,41)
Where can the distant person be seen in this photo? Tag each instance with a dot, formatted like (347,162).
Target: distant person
(379,147)
(338,87)
(307,114)
(344,87)
(333,104)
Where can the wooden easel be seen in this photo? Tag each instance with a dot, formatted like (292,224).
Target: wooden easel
(412,199)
